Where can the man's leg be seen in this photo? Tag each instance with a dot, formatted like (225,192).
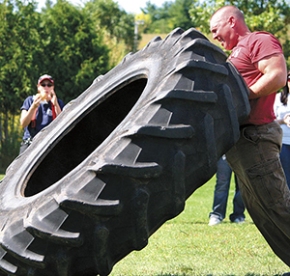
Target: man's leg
(221,192)
(285,160)
(238,214)
(255,160)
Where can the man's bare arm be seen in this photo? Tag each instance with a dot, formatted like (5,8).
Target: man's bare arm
(274,77)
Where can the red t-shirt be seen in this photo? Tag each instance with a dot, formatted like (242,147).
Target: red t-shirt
(251,49)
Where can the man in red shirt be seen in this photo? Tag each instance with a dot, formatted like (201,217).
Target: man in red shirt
(259,58)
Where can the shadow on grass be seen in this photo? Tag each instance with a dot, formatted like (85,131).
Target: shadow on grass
(186,274)
(224,222)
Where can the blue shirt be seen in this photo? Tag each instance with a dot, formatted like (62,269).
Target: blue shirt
(43,116)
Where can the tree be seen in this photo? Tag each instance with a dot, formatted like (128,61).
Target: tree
(271,15)
(115,25)
(73,53)
(179,14)
(60,41)
(17,51)
(159,18)
(76,44)
(19,43)
(200,14)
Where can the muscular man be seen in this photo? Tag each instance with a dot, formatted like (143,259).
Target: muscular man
(255,159)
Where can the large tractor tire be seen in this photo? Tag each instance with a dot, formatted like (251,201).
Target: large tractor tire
(121,159)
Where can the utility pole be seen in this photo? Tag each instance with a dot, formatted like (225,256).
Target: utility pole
(136,24)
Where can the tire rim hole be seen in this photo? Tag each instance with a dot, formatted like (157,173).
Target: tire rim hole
(84,137)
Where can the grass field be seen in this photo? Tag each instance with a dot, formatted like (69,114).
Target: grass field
(187,246)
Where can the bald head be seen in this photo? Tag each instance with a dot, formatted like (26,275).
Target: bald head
(227,25)
(228,11)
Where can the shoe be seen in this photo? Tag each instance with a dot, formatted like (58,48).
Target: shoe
(214,221)
(239,220)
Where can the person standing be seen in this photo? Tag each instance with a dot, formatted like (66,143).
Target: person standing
(282,112)
(39,110)
(255,158)
(221,194)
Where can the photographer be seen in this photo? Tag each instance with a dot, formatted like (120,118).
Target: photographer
(39,110)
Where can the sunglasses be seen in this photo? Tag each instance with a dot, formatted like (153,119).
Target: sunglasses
(46,84)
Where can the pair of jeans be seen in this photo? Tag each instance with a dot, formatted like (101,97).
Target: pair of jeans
(255,159)
(285,161)
(221,193)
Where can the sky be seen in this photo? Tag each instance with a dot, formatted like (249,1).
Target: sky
(134,6)
(130,6)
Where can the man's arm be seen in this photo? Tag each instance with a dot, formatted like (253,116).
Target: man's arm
(274,77)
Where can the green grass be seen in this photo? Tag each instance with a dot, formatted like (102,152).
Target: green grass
(186,246)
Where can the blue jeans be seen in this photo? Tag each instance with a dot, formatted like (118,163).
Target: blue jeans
(285,161)
(221,193)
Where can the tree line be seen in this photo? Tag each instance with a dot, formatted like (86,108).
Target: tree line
(75,44)
(261,15)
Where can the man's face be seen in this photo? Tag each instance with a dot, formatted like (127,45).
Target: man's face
(221,29)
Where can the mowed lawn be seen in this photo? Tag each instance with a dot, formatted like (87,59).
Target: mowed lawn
(187,246)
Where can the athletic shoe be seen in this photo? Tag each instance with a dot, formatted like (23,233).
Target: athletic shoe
(239,220)
(214,221)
